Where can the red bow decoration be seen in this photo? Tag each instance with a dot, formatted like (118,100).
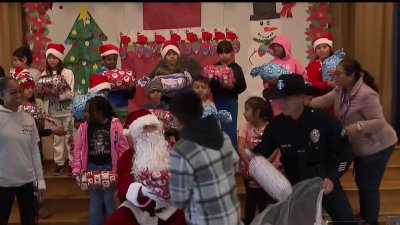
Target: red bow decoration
(287,9)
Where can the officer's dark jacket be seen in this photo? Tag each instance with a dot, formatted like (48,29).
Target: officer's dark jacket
(313,145)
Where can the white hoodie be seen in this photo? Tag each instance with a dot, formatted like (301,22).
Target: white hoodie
(20,161)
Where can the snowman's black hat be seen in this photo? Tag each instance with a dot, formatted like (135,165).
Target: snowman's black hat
(264,11)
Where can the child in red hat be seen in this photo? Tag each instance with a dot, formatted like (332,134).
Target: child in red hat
(323,47)
(60,104)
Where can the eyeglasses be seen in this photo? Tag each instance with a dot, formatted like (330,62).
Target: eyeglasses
(14,92)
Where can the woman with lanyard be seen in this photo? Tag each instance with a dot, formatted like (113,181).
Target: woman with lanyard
(356,105)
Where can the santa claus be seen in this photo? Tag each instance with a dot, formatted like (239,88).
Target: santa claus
(143,176)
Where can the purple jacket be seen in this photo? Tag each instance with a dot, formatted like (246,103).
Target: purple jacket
(119,145)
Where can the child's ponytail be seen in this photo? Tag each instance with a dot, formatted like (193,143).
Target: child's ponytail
(264,106)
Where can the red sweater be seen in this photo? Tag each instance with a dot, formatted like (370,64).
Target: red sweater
(314,74)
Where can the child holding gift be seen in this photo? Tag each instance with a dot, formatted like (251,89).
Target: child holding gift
(323,47)
(227,99)
(100,142)
(258,113)
(281,49)
(119,99)
(60,104)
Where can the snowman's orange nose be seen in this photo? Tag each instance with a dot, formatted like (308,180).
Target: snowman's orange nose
(269,29)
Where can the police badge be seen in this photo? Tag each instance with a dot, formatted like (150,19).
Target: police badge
(314,135)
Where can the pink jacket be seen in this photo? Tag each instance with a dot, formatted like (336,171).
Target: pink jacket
(119,145)
(290,63)
(365,109)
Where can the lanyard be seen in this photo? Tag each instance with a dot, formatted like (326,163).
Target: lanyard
(342,102)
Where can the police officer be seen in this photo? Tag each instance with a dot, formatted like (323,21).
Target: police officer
(312,143)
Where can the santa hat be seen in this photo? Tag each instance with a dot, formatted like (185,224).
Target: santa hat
(23,77)
(323,39)
(108,49)
(98,83)
(55,49)
(137,120)
(169,45)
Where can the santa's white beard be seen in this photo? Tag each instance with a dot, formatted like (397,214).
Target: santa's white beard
(151,152)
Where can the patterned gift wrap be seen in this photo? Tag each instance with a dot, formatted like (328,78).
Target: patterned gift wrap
(53,82)
(157,181)
(79,103)
(97,180)
(165,117)
(222,115)
(223,73)
(270,179)
(120,79)
(268,71)
(175,83)
(36,112)
(331,63)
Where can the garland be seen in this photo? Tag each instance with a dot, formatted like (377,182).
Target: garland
(320,17)
(37,32)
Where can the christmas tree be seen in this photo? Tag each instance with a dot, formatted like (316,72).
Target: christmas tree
(84,57)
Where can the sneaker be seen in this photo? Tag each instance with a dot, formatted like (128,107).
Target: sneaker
(59,170)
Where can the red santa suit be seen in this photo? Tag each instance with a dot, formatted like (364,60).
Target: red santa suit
(136,207)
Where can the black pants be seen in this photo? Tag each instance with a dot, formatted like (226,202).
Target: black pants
(369,171)
(255,197)
(26,202)
(337,205)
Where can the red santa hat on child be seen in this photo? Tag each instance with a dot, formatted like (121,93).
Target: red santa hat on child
(323,39)
(56,49)
(23,77)
(136,120)
(98,83)
(108,49)
(169,45)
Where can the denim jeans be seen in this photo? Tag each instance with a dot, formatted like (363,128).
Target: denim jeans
(230,105)
(368,175)
(99,197)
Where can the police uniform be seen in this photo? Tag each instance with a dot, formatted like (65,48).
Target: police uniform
(312,145)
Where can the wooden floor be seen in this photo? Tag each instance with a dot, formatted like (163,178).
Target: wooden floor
(68,205)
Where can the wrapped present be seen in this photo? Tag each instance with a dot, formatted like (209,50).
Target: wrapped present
(270,179)
(223,73)
(36,112)
(165,117)
(330,63)
(157,181)
(175,83)
(79,103)
(120,79)
(53,82)
(222,115)
(268,71)
(97,180)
